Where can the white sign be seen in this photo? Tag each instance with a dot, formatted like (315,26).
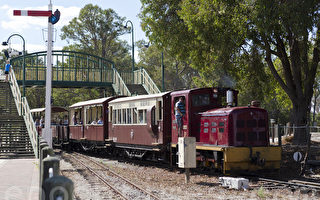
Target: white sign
(297,156)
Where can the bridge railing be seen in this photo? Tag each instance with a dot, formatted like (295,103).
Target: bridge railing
(24,110)
(119,85)
(67,66)
(142,77)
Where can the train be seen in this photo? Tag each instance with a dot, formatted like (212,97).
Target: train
(229,138)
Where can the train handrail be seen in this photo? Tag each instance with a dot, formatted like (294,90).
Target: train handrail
(24,110)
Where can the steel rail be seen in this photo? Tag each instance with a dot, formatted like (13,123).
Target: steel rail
(296,183)
(305,182)
(99,177)
(76,197)
(118,175)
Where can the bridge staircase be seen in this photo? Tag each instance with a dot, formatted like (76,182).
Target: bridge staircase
(139,82)
(14,138)
(18,134)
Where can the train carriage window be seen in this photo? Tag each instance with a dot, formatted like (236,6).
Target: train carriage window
(153,117)
(159,108)
(135,114)
(119,117)
(114,113)
(129,116)
(144,116)
(140,116)
(110,114)
(124,111)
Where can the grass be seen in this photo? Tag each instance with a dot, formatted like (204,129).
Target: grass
(261,193)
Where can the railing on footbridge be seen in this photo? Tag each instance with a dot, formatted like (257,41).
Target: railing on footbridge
(69,69)
(77,69)
(140,76)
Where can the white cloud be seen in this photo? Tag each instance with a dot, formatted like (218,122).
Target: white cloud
(21,23)
(30,48)
(4,7)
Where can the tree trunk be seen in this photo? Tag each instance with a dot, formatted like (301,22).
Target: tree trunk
(300,120)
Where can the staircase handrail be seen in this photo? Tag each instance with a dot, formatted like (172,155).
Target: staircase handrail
(24,110)
(15,91)
(148,83)
(119,86)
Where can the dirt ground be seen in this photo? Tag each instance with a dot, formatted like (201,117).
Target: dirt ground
(170,183)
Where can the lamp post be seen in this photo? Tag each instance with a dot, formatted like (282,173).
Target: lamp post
(126,27)
(24,62)
(162,70)
(162,67)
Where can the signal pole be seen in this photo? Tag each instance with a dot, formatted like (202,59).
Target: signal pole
(53,18)
(47,130)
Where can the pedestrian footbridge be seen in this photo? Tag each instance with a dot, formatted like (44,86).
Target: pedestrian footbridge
(76,69)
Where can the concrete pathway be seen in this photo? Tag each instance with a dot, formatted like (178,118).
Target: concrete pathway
(19,179)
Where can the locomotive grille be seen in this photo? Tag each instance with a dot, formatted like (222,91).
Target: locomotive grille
(250,129)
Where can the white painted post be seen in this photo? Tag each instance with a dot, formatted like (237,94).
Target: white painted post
(47,130)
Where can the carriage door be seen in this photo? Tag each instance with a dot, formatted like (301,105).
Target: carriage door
(175,116)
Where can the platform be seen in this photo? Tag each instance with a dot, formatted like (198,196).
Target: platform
(19,179)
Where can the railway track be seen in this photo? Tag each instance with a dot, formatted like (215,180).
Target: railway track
(304,186)
(104,180)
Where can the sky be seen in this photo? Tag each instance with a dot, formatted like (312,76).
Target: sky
(31,28)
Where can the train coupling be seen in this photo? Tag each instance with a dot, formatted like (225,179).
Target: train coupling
(255,159)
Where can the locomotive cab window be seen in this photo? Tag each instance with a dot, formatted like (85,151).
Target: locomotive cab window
(200,100)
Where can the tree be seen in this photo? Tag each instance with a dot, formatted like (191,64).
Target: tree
(178,74)
(96,31)
(225,29)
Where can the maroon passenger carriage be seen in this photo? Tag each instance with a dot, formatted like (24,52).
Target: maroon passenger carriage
(228,137)
(141,125)
(85,131)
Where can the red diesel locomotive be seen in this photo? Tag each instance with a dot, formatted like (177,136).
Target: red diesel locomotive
(229,138)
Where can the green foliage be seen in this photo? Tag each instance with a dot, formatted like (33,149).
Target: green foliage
(178,74)
(96,31)
(244,42)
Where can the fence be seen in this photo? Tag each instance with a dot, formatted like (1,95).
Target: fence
(276,131)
